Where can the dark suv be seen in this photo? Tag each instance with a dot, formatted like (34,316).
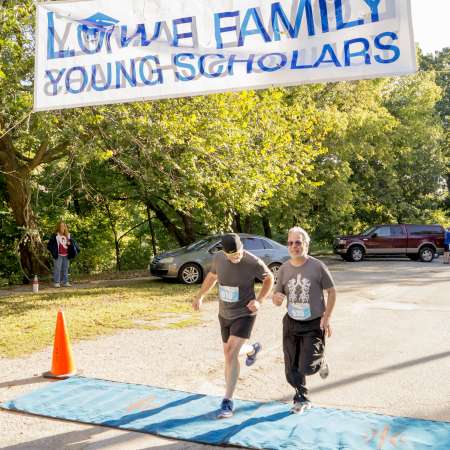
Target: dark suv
(418,242)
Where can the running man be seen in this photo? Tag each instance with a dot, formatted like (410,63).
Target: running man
(236,270)
(302,280)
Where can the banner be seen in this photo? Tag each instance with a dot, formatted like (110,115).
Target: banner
(92,52)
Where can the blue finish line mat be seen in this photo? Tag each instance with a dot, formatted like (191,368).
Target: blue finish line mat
(192,417)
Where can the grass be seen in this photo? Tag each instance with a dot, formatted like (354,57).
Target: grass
(321,249)
(28,321)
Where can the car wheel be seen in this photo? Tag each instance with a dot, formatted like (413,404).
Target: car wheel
(275,267)
(426,254)
(190,273)
(356,253)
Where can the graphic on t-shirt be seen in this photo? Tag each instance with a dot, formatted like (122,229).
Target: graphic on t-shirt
(299,306)
(63,245)
(229,294)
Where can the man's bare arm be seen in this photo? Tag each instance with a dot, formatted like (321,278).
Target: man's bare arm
(331,301)
(325,321)
(254,305)
(207,285)
(267,286)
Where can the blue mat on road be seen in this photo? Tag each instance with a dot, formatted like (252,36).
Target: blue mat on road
(191,417)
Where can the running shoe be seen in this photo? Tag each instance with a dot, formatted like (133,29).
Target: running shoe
(226,409)
(251,358)
(324,370)
(301,404)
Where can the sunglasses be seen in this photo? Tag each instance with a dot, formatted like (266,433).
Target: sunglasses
(232,254)
(292,243)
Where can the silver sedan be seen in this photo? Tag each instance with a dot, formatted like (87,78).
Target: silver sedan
(191,263)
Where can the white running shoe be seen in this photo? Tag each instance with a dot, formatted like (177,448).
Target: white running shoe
(301,404)
(324,370)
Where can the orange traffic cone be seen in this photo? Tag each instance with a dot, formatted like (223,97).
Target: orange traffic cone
(63,365)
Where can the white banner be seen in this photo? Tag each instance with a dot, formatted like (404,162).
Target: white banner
(92,52)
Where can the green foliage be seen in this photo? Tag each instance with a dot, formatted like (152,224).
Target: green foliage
(9,235)
(333,158)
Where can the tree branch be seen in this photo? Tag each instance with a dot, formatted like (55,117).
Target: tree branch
(37,160)
(131,229)
(23,158)
(44,155)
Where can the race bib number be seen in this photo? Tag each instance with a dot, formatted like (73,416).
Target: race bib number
(229,294)
(299,311)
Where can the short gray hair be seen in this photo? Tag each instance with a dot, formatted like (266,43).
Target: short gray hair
(300,230)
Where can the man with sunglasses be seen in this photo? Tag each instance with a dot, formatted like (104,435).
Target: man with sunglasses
(302,281)
(236,270)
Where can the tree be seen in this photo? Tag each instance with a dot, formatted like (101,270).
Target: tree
(200,163)
(439,64)
(27,141)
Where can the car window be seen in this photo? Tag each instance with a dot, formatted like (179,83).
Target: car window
(253,244)
(396,230)
(216,248)
(383,231)
(424,229)
(368,232)
(201,244)
(267,244)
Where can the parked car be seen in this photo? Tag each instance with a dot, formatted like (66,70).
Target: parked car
(190,264)
(418,242)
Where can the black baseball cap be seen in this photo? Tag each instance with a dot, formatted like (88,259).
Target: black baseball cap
(231,243)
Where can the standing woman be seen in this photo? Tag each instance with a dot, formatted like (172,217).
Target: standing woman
(62,247)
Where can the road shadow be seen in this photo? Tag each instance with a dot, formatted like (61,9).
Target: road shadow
(375,373)
(24,381)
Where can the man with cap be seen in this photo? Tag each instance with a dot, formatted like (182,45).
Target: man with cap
(235,270)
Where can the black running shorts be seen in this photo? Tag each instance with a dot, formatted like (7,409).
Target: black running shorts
(240,327)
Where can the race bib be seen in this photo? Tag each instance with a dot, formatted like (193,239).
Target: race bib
(299,311)
(229,294)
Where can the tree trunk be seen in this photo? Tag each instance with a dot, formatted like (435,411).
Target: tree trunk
(17,169)
(266,226)
(34,257)
(189,230)
(168,224)
(112,224)
(118,257)
(448,185)
(248,224)
(152,230)
(237,225)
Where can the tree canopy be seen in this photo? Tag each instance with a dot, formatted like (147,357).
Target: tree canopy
(133,179)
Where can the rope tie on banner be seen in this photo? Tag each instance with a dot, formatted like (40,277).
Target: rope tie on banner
(16,125)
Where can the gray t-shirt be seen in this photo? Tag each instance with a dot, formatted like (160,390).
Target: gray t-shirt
(237,283)
(303,287)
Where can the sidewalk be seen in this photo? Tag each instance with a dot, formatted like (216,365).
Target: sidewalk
(48,288)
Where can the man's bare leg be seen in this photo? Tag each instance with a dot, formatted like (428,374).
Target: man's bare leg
(232,368)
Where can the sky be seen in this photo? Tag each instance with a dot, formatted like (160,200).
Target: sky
(431,20)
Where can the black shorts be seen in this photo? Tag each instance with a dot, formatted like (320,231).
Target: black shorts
(446,247)
(240,327)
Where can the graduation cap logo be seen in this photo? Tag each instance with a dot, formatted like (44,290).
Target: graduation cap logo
(99,21)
